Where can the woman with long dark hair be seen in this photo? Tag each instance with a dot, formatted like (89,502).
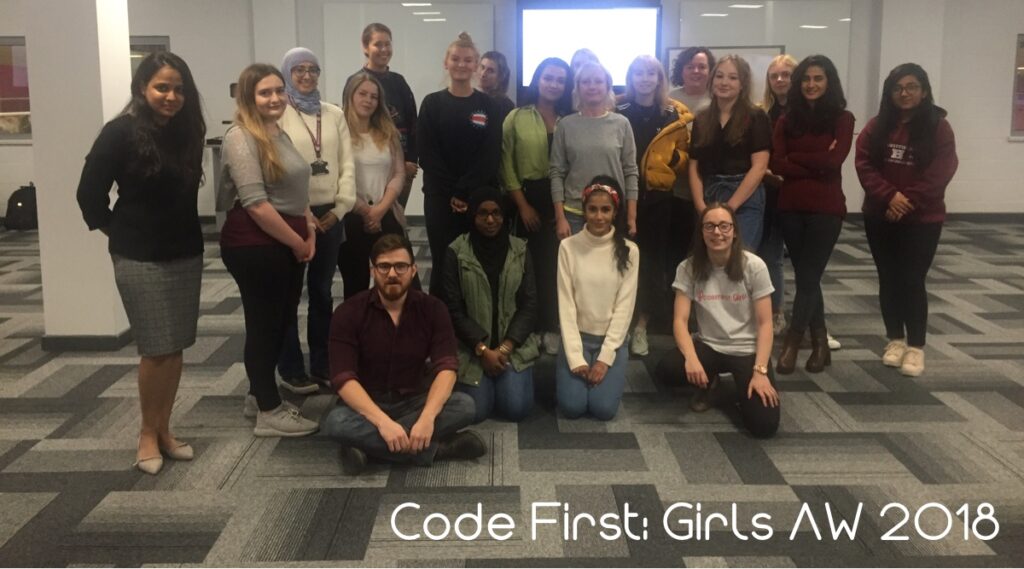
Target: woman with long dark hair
(597,278)
(661,135)
(526,145)
(730,291)
(459,138)
(906,157)
(268,237)
(320,134)
(810,144)
(492,298)
(729,149)
(153,150)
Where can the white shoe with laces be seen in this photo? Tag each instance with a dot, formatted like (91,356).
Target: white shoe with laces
(894,351)
(913,362)
(638,345)
(250,408)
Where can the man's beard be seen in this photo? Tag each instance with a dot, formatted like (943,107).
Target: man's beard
(392,290)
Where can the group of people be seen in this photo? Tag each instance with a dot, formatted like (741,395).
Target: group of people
(548,224)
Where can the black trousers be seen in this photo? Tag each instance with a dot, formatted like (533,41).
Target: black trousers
(761,421)
(903,253)
(354,253)
(443,226)
(654,238)
(270,282)
(684,227)
(543,247)
(810,238)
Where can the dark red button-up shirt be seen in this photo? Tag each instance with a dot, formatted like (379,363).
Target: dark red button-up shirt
(365,344)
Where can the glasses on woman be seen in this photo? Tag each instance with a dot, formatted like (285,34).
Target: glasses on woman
(384,268)
(496,214)
(311,70)
(725,227)
(910,88)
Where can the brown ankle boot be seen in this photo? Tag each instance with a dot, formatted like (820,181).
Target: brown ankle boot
(821,355)
(787,356)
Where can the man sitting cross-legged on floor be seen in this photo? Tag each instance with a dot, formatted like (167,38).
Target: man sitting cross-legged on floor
(379,342)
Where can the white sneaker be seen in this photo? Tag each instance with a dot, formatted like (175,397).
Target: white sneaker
(894,351)
(779,323)
(833,344)
(913,362)
(552,342)
(638,345)
(250,409)
(285,421)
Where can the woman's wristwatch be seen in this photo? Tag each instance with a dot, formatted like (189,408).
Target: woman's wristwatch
(763,370)
(480,348)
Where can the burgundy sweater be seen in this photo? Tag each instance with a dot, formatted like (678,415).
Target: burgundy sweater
(925,187)
(812,174)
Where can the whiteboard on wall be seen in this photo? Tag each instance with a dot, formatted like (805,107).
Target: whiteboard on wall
(419,48)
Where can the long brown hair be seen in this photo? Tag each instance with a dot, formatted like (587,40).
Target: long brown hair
(700,261)
(707,120)
(248,118)
(382,128)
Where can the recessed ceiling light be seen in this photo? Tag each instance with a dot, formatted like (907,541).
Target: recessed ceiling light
(749,6)
(844,19)
(710,15)
(425,13)
(810,27)
(435,19)
(416,4)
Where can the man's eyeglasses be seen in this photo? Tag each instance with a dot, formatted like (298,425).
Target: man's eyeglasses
(384,268)
(725,227)
(312,71)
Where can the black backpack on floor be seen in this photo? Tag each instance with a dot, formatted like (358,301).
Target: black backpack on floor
(21,209)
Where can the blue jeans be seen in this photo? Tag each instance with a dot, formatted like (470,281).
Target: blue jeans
(349,428)
(749,216)
(770,252)
(576,222)
(576,397)
(319,278)
(510,395)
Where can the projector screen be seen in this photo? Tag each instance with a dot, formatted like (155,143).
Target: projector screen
(616,35)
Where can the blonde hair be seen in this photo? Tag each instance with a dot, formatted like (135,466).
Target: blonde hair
(646,63)
(248,117)
(462,41)
(589,67)
(382,128)
(769,96)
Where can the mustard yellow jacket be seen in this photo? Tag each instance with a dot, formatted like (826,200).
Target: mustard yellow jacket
(666,156)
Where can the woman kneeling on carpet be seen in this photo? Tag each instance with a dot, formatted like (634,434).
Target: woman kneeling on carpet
(731,291)
(492,297)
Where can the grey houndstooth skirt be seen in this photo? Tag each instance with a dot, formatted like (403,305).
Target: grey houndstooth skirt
(161,299)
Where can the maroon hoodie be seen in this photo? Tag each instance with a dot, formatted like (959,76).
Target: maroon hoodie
(925,187)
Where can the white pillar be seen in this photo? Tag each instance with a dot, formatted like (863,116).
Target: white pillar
(80,78)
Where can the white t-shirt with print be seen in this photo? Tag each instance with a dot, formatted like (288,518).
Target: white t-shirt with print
(726,321)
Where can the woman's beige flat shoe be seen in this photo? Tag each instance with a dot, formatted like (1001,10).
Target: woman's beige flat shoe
(183,451)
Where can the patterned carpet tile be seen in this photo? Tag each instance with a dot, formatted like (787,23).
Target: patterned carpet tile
(857,442)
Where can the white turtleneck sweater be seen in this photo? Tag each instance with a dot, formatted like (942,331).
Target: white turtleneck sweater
(593,296)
